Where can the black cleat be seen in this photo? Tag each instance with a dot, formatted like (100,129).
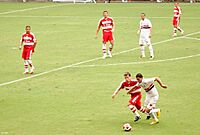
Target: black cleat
(148,117)
(137,118)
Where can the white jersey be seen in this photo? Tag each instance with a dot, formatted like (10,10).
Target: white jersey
(148,85)
(145,26)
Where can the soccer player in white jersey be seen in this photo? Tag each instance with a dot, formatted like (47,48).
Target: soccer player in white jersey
(152,95)
(145,31)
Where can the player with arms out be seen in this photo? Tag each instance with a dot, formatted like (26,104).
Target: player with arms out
(29,42)
(135,101)
(176,19)
(107,24)
(151,94)
(145,31)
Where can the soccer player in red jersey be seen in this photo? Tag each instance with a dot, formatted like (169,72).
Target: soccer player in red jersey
(176,19)
(135,101)
(108,27)
(28,41)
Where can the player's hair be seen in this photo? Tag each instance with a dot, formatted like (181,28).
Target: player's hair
(139,75)
(105,11)
(143,14)
(28,26)
(127,74)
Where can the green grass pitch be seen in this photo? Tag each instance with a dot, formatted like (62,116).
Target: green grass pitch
(77,100)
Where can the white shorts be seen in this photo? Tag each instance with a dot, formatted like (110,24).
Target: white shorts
(144,40)
(151,98)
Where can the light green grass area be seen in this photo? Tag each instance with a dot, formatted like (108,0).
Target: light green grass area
(77,100)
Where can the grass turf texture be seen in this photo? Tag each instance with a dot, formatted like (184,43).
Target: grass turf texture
(77,101)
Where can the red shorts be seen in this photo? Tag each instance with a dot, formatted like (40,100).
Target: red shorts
(136,100)
(107,36)
(27,52)
(176,21)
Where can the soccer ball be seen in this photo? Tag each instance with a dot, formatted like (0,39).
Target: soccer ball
(127,127)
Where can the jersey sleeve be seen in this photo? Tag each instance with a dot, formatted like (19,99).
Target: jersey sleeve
(150,24)
(179,10)
(34,38)
(121,86)
(99,24)
(21,40)
(151,80)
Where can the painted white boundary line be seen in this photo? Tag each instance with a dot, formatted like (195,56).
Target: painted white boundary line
(87,61)
(141,62)
(192,38)
(29,9)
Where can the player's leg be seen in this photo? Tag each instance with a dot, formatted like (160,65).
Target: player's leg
(153,111)
(142,47)
(30,63)
(147,111)
(175,27)
(132,105)
(24,56)
(148,41)
(111,39)
(178,26)
(105,40)
(134,110)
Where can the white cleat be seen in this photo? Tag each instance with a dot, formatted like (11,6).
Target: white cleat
(175,34)
(25,72)
(142,56)
(110,54)
(182,32)
(32,69)
(104,56)
(151,57)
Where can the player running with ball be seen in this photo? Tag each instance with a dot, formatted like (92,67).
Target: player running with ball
(151,94)
(108,27)
(29,42)
(135,101)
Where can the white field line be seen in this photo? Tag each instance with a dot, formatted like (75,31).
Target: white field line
(192,38)
(87,61)
(141,62)
(29,9)
(89,17)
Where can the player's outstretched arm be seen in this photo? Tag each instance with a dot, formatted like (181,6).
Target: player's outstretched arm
(157,79)
(115,92)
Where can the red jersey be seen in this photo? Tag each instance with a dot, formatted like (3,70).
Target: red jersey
(128,86)
(177,11)
(28,39)
(106,24)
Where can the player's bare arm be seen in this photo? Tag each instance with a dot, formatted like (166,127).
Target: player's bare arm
(157,79)
(113,27)
(115,92)
(150,32)
(20,46)
(97,31)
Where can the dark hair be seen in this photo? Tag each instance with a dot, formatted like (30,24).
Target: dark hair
(139,75)
(105,11)
(28,26)
(143,14)
(127,74)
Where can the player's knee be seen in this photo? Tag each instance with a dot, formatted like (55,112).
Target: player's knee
(130,106)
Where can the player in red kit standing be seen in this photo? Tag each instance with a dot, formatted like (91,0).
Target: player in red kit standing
(108,27)
(29,42)
(176,19)
(135,101)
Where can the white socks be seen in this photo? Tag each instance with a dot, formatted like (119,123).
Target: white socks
(142,49)
(151,50)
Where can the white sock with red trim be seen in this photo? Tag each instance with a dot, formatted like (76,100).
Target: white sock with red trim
(104,50)
(26,65)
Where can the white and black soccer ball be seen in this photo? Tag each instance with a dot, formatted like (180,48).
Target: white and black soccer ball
(127,127)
